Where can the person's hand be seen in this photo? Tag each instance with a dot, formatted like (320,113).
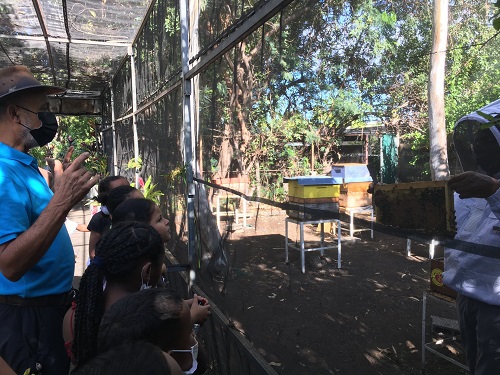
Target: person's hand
(473,185)
(72,181)
(57,167)
(199,309)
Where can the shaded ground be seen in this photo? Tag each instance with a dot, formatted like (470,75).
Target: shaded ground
(363,319)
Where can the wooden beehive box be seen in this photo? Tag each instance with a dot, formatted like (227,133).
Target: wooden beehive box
(355,194)
(425,206)
(235,183)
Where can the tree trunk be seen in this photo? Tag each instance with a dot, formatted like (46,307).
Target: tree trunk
(437,126)
(207,229)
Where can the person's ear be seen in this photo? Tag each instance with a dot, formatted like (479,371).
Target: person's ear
(13,112)
(146,272)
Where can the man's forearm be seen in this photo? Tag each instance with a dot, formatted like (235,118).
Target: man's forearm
(22,253)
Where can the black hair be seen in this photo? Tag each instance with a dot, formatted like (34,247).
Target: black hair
(117,256)
(118,195)
(135,209)
(152,315)
(128,358)
(104,188)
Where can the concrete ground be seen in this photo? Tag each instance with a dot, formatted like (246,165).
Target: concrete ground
(81,215)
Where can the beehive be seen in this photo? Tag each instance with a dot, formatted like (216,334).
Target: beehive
(355,194)
(421,206)
(318,193)
(312,187)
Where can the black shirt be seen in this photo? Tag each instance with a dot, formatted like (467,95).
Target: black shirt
(99,223)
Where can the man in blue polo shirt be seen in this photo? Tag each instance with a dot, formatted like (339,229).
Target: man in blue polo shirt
(36,255)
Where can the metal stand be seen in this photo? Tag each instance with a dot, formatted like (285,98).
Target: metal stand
(232,213)
(432,245)
(356,210)
(449,323)
(322,246)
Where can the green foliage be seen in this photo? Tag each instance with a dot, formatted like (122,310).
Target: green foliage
(176,176)
(82,131)
(135,164)
(308,78)
(492,120)
(97,163)
(150,192)
(496,17)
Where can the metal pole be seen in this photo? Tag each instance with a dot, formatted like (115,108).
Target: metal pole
(188,145)
(381,158)
(113,130)
(134,110)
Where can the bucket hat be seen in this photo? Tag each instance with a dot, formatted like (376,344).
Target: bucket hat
(18,78)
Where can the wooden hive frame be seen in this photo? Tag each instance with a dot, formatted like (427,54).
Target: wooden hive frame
(425,206)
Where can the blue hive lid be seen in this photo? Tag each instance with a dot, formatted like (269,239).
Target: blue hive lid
(314,180)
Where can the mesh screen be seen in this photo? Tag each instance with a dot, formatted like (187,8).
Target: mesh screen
(224,119)
(122,91)
(95,28)
(251,107)
(19,17)
(219,16)
(158,50)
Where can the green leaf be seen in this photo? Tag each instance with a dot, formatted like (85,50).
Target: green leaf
(486,116)
(496,22)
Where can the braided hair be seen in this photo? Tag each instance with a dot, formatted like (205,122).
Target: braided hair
(154,315)
(118,255)
(104,188)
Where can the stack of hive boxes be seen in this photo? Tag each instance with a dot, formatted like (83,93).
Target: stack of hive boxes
(354,180)
(319,193)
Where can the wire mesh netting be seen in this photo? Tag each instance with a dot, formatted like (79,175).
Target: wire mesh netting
(78,45)
(271,89)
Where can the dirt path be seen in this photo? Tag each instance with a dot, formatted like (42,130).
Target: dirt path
(363,319)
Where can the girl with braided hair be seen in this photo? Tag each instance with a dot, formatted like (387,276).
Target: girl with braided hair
(128,258)
(147,211)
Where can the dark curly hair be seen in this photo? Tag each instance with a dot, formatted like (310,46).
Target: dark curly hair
(118,195)
(135,209)
(118,254)
(128,358)
(104,188)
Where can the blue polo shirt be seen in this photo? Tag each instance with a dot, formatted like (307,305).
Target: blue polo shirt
(24,194)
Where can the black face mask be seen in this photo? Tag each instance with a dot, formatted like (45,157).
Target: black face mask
(47,131)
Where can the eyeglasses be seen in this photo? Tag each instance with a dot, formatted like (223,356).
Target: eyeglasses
(29,110)
(26,109)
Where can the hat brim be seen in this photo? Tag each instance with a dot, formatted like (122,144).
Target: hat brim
(49,90)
